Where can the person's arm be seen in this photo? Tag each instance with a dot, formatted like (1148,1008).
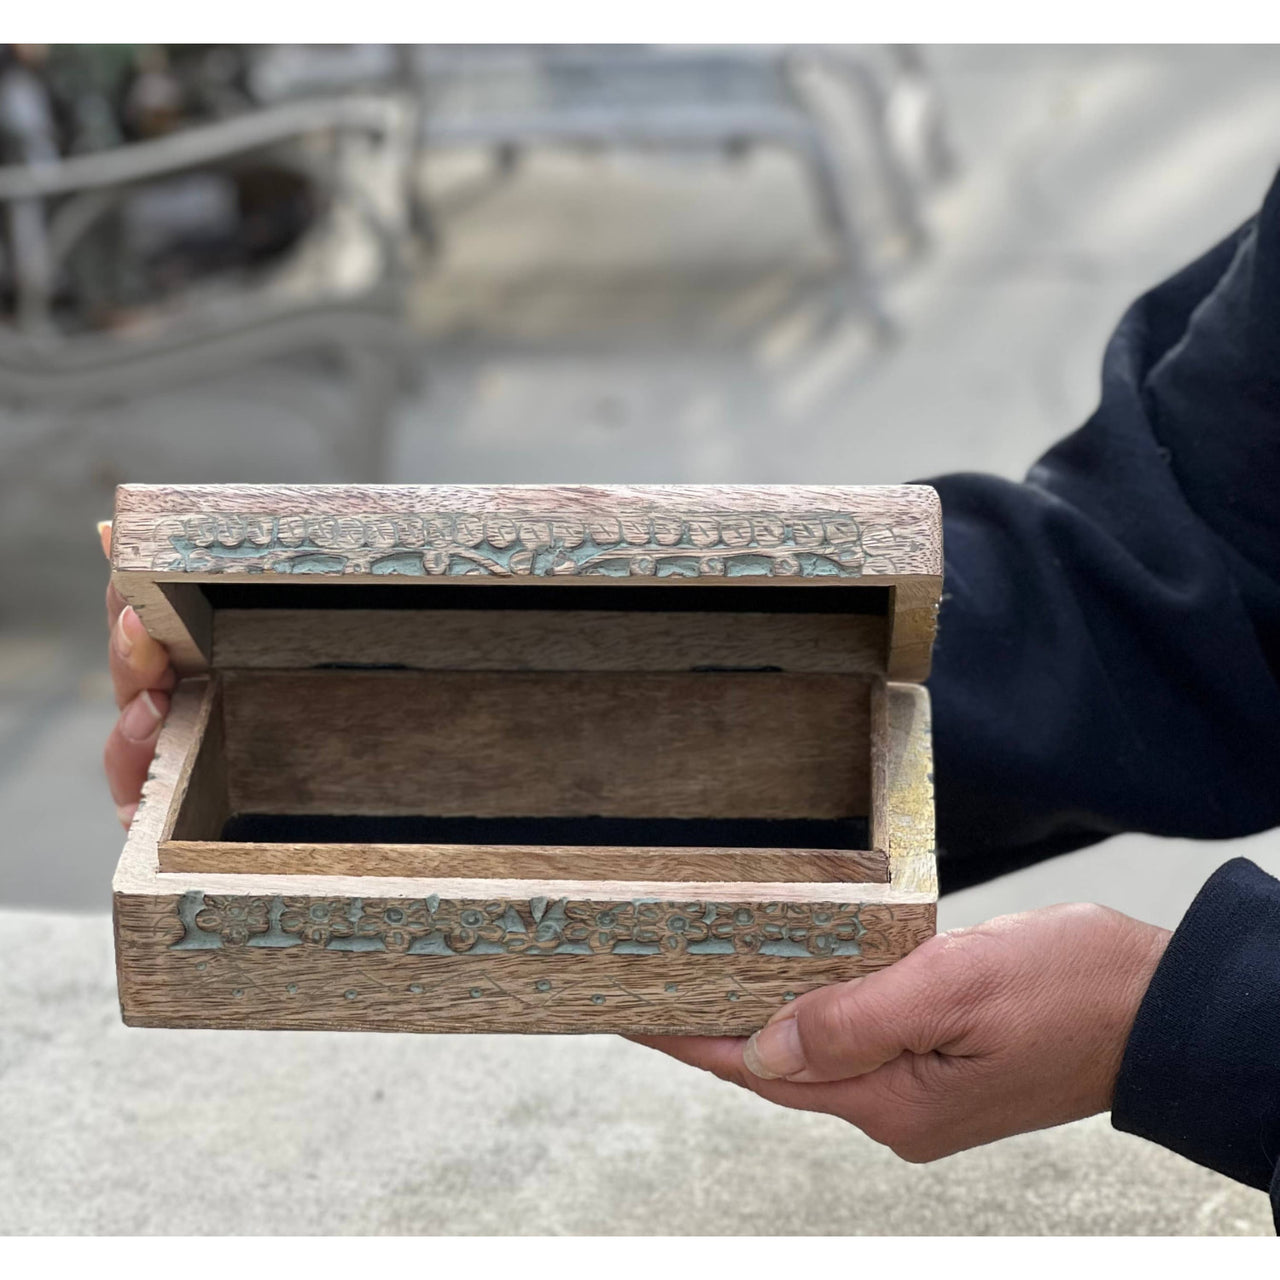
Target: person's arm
(1201,1071)
(1109,641)
(1107,661)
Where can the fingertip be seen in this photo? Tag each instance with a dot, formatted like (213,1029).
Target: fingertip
(775,1052)
(125,812)
(104,537)
(134,643)
(158,700)
(141,718)
(131,625)
(752,1061)
(121,639)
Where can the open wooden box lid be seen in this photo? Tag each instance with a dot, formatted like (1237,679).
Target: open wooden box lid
(181,553)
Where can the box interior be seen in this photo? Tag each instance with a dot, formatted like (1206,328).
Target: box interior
(479,729)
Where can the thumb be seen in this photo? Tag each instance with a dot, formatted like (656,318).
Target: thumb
(835,1033)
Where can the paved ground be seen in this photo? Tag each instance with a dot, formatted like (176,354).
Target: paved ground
(607,320)
(122,1131)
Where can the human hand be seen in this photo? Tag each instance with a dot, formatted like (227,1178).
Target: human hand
(1017,1024)
(142,677)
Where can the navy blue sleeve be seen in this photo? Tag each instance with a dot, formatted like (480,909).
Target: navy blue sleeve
(1201,1071)
(1109,640)
(1108,659)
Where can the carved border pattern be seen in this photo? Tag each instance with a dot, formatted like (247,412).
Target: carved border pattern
(539,927)
(697,544)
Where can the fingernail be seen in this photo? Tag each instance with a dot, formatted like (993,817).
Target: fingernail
(125,813)
(104,537)
(774,1051)
(142,716)
(124,641)
(133,642)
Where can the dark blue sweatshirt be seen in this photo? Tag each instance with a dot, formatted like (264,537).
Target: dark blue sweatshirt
(1108,660)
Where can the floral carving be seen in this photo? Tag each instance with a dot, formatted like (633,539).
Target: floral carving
(820,929)
(463,924)
(316,919)
(685,925)
(539,927)
(662,544)
(235,920)
(397,922)
(743,926)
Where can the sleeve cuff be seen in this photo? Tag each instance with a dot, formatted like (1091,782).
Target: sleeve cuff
(1201,1071)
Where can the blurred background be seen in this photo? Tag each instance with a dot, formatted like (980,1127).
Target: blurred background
(844,264)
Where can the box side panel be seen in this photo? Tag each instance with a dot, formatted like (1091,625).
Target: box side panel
(903,822)
(548,640)
(527,862)
(177,750)
(257,951)
(691,745)
(913,626)
(200,797)
(308,963)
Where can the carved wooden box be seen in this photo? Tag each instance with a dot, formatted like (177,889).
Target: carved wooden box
(646,759)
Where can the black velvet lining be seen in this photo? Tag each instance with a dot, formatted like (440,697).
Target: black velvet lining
(735,833)
(260,592)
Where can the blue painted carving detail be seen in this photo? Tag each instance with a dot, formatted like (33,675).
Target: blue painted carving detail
(406,564)
(695,545)
(430,926)
(194,936)
(311,564)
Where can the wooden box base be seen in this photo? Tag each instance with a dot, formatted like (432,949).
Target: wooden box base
(396,940)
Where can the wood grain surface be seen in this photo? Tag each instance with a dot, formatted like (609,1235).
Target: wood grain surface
(902,739)
(525,862)
(547,640)
(704,745)
(201,800)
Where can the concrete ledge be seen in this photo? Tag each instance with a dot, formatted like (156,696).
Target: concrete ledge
(112,1130)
